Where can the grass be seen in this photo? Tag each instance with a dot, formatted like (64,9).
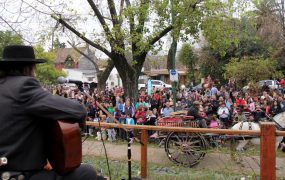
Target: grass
(251,150)
(119,170)
(170,171)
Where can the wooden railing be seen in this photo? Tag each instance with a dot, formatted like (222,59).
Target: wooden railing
(267,135)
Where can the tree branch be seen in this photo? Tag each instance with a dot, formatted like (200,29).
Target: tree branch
(121,11)
(108,69)
(116,24)
(142,17)
(14,30)
(85,55)
(113,12)
(151,41)
(131,17)
(102,21)
(196,3)
(160,35)
(132,25)
(97,46)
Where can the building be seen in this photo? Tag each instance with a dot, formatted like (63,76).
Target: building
(156,68)
(67,58)
(114,79)
(81,68)
(77,67)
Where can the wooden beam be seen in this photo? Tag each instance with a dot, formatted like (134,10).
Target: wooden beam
(280,133)
(144,136)
(267,151)
(176,129)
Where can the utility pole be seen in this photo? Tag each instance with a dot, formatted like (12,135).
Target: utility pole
(173,53)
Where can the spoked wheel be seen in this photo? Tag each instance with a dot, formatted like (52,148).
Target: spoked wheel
(185,149)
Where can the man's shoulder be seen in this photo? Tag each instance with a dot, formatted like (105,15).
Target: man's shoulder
(23,78)
(20,82)
(19,79)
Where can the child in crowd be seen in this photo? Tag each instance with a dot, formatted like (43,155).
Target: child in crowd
(111,131)
(130,121)
(202,112)
(214,123)
(122,120)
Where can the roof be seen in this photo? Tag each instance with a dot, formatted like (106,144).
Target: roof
(85,63)
(153,66)
(156,72)
(157,65)
(63,53)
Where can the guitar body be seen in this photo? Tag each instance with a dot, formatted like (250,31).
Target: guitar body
(64,147)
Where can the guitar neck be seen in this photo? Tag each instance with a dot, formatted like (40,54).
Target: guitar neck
(102,108)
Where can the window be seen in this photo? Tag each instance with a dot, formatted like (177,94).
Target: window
(269,83)
(154,83)
(69,62)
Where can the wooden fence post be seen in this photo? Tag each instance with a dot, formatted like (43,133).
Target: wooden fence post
(144,135)
(267,151)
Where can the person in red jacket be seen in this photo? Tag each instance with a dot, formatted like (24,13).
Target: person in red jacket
(282,83)
(240,101)
(140,115)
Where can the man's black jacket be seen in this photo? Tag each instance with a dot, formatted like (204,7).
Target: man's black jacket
(25,107)
(193,111)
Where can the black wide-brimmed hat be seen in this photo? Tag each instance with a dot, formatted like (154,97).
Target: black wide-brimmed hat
(19,54)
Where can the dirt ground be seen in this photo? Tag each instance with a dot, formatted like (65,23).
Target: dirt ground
(213,161)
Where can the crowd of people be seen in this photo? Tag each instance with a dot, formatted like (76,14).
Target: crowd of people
(211,106)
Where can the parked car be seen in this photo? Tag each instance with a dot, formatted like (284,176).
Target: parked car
(158,84)
(71,86)
(272,84)
(141,86)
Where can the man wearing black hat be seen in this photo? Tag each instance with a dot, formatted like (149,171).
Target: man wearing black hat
(25,108)
(194,111)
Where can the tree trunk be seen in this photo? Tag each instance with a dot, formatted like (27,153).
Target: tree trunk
(129,76)
(103,76)
(169,59)
(130,85)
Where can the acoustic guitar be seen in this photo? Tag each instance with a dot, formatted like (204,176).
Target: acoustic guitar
(64,147)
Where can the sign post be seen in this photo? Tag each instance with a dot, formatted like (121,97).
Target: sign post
(173,76)
(173,52)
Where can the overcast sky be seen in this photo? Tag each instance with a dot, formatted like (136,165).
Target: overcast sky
(31,24)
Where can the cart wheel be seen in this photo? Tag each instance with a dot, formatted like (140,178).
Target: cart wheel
(185,149)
